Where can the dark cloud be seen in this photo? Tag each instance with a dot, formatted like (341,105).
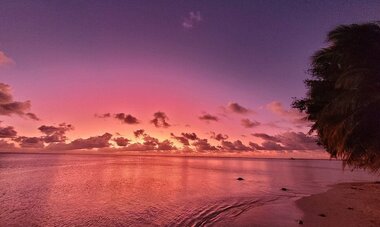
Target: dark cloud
(219,136)
(150,141)
(139,133)
(7,132)
(289,141)
(208,117)
(55,134)
(203,145)
(30,142)
(248,123)
(105,115)
(266,137)
(102,141)
(160,120)
(127,118)
(10,107)
(166,145)
(299,141)
(121,141)
(237,108)
(183,140)
(190,136)
(32,116)
(234,146)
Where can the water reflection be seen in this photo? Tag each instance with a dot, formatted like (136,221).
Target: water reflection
(130,190)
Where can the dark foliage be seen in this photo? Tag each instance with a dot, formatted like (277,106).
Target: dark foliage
(343,99)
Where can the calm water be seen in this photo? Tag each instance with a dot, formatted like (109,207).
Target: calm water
(83,190)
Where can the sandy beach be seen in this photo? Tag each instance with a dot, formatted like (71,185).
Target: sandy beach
(348,204)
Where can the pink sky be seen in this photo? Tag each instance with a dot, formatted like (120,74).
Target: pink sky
(237,65)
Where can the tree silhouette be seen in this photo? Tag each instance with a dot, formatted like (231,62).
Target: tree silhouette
(343,98)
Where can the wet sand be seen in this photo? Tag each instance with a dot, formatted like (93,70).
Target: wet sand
(347,204)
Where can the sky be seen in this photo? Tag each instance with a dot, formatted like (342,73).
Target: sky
(188,77)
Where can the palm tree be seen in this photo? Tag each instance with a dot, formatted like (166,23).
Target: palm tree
(343,98)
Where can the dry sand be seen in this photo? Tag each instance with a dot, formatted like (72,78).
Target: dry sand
(348,204)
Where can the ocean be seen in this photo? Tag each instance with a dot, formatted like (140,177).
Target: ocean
(121,190)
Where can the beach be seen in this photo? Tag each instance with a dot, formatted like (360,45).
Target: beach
(345,204)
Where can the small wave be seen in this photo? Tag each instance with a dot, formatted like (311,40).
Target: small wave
(207,215)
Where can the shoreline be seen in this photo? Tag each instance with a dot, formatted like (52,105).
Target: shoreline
(344,204)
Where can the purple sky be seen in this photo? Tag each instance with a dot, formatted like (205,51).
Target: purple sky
(74,59)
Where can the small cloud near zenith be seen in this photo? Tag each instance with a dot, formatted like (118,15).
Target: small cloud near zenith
(237,108)
(126,118)
(5,60)
(247,123)
(160,120)
(208,117)
(191,20)
(10,107)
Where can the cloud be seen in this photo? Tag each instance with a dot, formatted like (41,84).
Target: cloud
(203,145)
(105,115)
(248,123)
(208,117)
(288,141)
(7,132)
(5,145)
(121,141)
(126,118)
(5,60)
(32,116)
(166,145)
(10,107)
(139,133)
(151,144)
(292,115)
(88,143)
(266,137)
(299,141)
(160,120)
(191,20)
(234,146)
(183,140)
(190,136)
(237,108)
(30,142)
(219,136)
(55,134)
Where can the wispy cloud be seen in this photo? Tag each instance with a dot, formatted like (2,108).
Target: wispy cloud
(5,60)
(192,19)
(247,123)
(293,116)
